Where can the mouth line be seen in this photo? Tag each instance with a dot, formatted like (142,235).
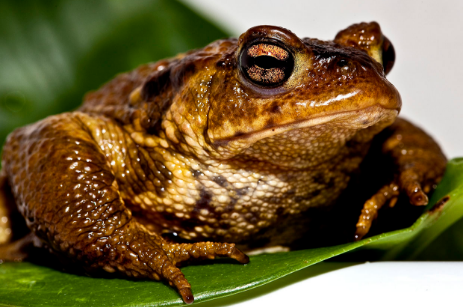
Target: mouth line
(304,123)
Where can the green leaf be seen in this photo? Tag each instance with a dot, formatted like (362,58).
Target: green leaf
(24,284)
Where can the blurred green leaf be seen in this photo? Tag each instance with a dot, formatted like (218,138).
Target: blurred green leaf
(53,52)
(25,284)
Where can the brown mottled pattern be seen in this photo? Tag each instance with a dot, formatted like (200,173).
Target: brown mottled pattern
(191,146)
(365,36)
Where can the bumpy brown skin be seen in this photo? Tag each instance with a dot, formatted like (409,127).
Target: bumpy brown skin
(192,145)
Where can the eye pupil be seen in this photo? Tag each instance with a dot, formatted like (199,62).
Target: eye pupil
(266,64)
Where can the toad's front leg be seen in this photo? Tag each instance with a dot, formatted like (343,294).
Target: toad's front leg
(418,165)
(65,189)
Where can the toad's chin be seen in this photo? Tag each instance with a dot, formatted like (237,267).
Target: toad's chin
(375,115)
(312,143)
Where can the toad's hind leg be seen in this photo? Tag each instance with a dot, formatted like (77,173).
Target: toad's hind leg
(418,164)
(67,193)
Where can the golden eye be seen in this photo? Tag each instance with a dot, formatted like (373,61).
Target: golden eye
(266,64)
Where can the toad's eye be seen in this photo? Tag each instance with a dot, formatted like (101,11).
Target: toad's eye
(266,64)
(388,55)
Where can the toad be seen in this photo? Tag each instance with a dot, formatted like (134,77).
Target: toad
(224,145)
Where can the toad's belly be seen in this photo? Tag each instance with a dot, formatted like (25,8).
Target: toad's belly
(241,204)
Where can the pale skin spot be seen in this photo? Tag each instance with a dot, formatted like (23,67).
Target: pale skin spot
(204,212)
(163,143)
(189,201)
(259,193)
(178,207)
(167,201)
(177,198)
(223,199)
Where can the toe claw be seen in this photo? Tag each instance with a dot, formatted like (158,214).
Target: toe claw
(418,197)
(360,233)
(239,256)
(187,295)
(415,194)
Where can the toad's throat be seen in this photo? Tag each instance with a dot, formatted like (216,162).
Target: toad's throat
(357,119)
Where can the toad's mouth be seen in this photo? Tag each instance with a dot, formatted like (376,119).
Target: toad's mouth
(357,119)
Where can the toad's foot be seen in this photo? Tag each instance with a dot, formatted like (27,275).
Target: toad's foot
(389,193)
(157,259)
(418,166)
(178,253)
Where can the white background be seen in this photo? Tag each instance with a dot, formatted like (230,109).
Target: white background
(428,39)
